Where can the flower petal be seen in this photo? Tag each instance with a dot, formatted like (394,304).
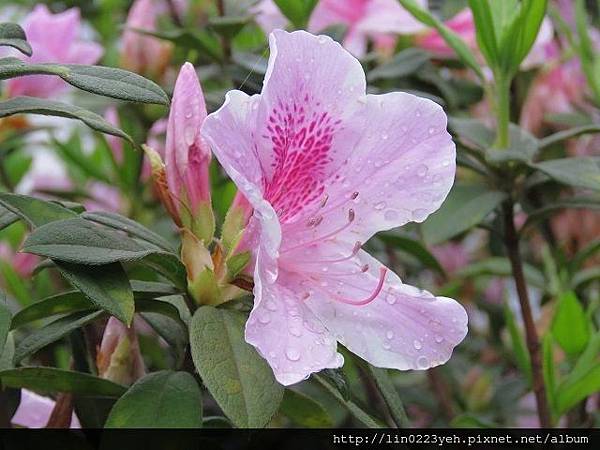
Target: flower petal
(400,171)
(402,328)
(287,334)
(387,16)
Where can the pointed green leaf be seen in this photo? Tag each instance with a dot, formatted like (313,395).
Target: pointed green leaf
(12,35)
(34,211)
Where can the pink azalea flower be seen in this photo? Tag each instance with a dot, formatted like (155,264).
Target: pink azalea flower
(116,144)
(22,263)
(34,411)
(365,19)
(268,16)
(53,38)
(103,197)
(140,53)
(119,358)
(325,167)
(452,256)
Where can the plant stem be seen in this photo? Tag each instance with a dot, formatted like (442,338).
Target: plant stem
(502,92)
(511,241)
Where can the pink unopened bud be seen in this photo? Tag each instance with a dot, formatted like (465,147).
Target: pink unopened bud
(119,358)
(141,53)
(187,156)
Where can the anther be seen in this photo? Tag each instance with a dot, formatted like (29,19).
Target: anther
(354,195)
(350,215)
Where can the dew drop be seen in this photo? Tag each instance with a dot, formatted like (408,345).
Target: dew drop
(322,39)
(422,170)
(362,99)
(419,214)
(417,344)
(431,130)
(391,298)
(389,334)
(292,354)
(422,362)
(264,317)
(270,305)
(445,163)
(188,114)
(189,134)
(384,136)
(439,339)
(379,206)
(386,345)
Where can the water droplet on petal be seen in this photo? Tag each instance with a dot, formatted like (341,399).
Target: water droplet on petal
(270,305)
(389,334)
(384,136)
(292,354)
(391,298)
(419,214)
(431,130)
(439,339)
(417,344)
(391,214)
(445,163)
(422,362)
(264,317)
(386,345)
(379,206)
(422,170)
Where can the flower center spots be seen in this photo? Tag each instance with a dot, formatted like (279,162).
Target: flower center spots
(301,143)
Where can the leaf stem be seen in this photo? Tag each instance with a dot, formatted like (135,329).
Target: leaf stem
(502,93)
(511,241)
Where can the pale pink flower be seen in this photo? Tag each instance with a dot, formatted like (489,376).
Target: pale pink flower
(34,411)
(268,16)
(141,53)
(325,168)
(54,38)
(463,24)
(119,358)
(116,144)
(103,197)
(452,256)
(365,19)
(22,263)
(559,89)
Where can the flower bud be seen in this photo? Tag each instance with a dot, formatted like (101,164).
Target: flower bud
(119,358)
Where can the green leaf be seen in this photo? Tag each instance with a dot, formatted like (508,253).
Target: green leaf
(404,63)
(523,148)
(548,370)
(581,172)
(38,339)
(572,391)
(5,321)
(472,132)
(543,213)
(106,81)
(79,241)
(518,343)
(168,329)
(49,379)
(452,39)
(390,395)
(131,227)
(162,399)
(12,35)
(570,326)
(7,217)
(357,412)
(568,134)
(240,380)
(228,26)
(486,30)
(413,248)
(106,286)
(465,207)
(304,411)
(297,11)
(33,105)
(500,267)
(34,211)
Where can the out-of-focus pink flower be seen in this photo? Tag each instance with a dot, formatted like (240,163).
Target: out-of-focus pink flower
(452,256)
(187,158)
(116,144)
(559,89)
(140,53)
(575,228)
(53,38)
(378,20)
(157,136)
(365,19)
(119,358)
(22,263)
(103,197)
(325,167)
(34,411)
(464,25)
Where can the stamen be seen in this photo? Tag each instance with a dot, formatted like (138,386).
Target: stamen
(370,298)
(324,201)
(355,251)
(350,215)
(364,268)
(354,195)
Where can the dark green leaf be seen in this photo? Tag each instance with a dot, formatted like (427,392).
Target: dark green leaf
(5,321)
(581,172)
(162,399)
(52,332)
(131,227)
(465,207)
(413,248)
(34,211)
(297,11)
(390,395)
(405,63)
(570,326)
(518,343)
(304,411)
(240,380)
(106,286)
(568,134)
(228,26)
(48,379)
(33,105)
(7,217)
(486,30)
(12,35)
